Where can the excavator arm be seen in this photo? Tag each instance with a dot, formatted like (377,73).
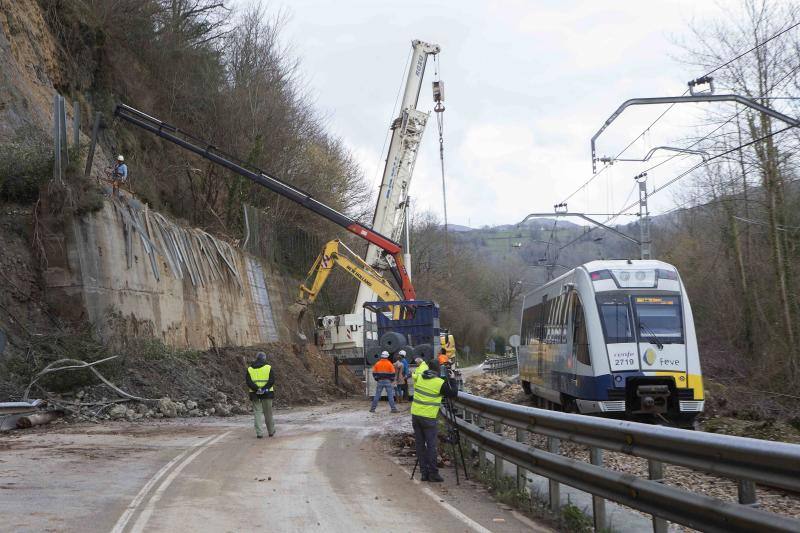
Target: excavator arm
(336,253)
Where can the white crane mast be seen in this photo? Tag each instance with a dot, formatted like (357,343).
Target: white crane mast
(407,130)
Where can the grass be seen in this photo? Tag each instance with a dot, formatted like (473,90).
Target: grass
(571,518)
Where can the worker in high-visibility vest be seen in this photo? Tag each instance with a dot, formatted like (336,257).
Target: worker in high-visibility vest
(429,391)
(422,366)
(384,374)
(260,381)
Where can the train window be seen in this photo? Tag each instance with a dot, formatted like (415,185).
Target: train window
(531,322)
(659,316)
(616,319)
(580,339)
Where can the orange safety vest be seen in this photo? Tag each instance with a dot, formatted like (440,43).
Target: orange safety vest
(443,359)
(383,368)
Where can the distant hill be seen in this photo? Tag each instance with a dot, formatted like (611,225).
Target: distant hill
(458,228)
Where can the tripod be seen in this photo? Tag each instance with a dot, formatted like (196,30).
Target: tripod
(453,438)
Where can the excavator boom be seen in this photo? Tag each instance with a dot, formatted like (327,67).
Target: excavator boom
(336,253)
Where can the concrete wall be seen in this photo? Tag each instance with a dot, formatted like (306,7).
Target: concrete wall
(130,268)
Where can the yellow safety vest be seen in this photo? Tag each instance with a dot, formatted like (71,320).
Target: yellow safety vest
(427,397)
(260,376)
(423,366)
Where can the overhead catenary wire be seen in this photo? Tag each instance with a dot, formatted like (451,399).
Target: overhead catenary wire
(677,178)
(659,117)
(710,159)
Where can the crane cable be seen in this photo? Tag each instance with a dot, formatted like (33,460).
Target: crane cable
(439,110)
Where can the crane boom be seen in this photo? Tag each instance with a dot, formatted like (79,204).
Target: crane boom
(391,248)
(407,130)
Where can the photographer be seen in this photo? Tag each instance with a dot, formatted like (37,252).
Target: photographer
(429,391)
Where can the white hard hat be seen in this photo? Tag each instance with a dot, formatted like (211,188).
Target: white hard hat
(384,354)
(120,158)
(402,352)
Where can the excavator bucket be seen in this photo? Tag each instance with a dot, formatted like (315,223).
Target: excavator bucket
(298,309)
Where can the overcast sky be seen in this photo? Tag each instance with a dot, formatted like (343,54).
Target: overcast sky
(527,85)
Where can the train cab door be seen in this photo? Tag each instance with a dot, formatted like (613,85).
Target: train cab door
(616,317)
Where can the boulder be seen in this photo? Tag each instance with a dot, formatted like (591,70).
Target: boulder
(221,409)
(118,411)
(168,408)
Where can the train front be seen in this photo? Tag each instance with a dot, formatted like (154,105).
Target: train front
(650,341)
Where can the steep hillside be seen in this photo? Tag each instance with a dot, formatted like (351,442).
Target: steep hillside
(85,277)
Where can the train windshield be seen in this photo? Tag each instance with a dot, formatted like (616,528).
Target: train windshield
(660,316)
(616,318)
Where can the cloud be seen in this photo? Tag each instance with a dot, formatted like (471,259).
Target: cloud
(528,84)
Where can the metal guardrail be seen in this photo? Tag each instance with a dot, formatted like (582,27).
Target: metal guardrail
(500,365)
(749,461)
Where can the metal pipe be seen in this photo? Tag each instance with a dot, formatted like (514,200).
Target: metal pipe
(584,217)
(38,419)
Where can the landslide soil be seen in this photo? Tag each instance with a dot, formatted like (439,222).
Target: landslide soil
(144,368)
(303,375)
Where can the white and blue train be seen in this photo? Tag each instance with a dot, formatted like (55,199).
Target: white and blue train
(613,337)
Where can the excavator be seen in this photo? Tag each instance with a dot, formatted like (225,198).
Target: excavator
(337,254)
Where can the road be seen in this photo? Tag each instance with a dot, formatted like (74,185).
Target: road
(326,469)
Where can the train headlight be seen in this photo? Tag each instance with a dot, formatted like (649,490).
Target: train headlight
(635,278)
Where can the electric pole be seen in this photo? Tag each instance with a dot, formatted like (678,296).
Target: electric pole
(644,217)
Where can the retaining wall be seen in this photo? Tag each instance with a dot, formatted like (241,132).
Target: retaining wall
(129,267)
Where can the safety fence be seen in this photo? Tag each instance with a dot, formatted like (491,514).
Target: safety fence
(500,365)
(750,462)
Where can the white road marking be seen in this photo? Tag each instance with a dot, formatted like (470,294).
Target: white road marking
(145,515)
(461,517)
(123,520)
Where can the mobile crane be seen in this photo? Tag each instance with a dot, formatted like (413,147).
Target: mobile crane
(342,333)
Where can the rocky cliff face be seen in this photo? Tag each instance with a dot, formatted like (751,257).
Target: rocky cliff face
(29,69)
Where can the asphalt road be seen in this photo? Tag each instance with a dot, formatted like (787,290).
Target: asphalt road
(326,469)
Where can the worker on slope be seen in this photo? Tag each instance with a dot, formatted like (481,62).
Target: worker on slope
(261,380)
(119,174)
(429,392)
(384,372)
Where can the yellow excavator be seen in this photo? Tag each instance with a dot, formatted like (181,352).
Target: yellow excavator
(336,253)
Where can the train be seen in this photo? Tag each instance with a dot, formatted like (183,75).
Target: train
(614,338)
